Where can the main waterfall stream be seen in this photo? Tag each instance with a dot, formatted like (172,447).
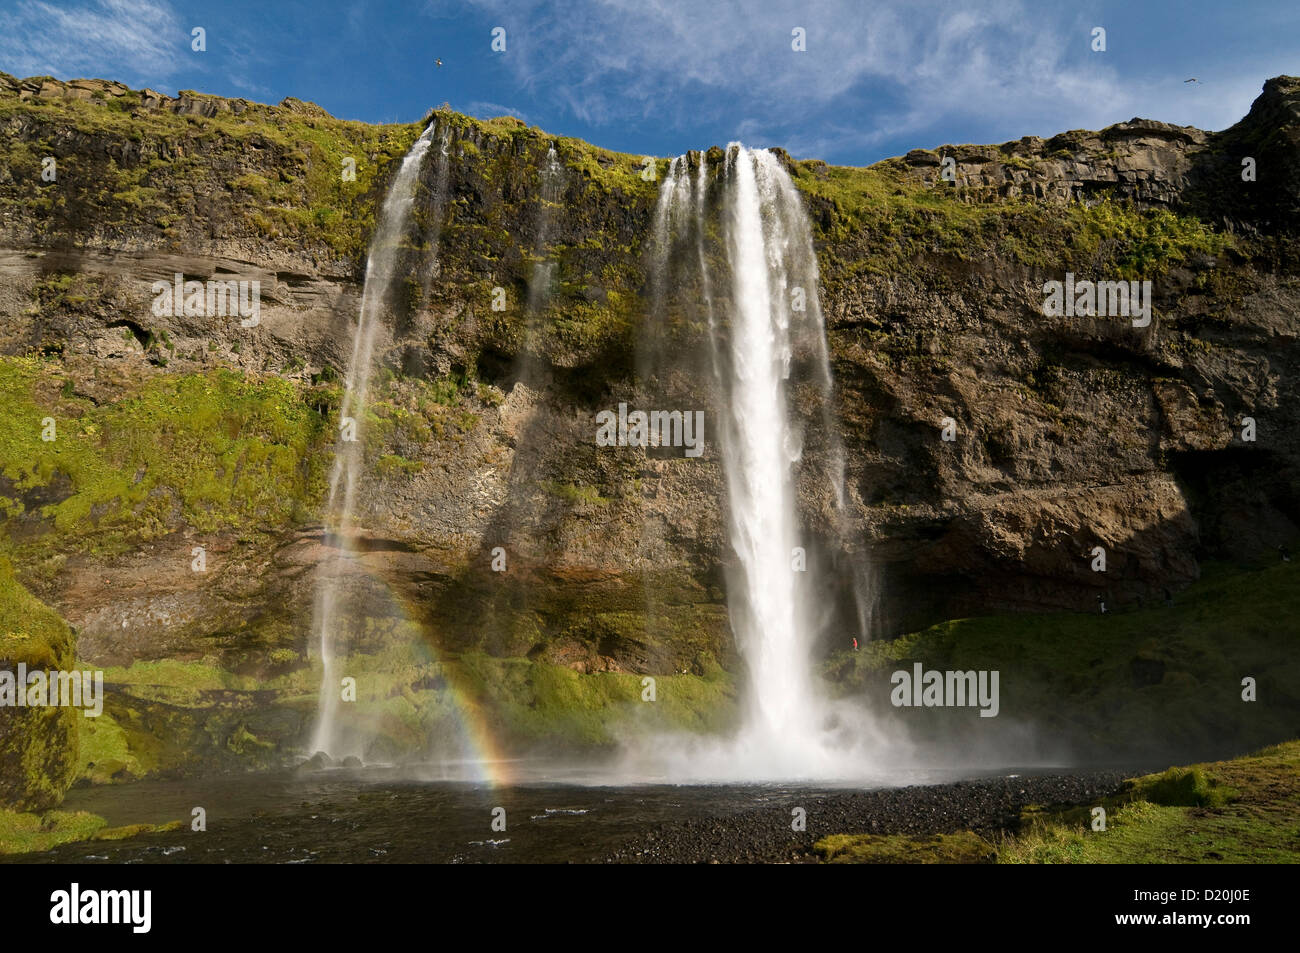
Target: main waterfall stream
(757,273)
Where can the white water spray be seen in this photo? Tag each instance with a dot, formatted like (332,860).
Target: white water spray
(760,314)
(758,457)
(345,475)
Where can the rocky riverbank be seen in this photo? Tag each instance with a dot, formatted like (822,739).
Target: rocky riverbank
(988,807)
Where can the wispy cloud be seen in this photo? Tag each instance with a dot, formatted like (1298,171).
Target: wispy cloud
(250,87)
(137,40)
(907,66)
(488,110)
(243,60)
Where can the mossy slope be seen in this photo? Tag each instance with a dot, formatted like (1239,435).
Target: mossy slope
(1246,810)
(1242,811)
(1123,684)
(38,746)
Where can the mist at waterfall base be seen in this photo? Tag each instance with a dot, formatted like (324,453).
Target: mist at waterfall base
(734,245)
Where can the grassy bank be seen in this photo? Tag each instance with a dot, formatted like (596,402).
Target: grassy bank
(1245,810)
(25,833)
(1158,679)
(1242,811)
(171,717)
(909,220)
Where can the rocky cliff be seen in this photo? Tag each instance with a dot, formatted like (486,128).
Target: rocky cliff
(178,433)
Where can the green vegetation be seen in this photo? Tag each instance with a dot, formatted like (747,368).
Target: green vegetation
(23,833)
(1103,681)
(1142,245)
(392,464)
(548,704)
(1246,810)
(1181,787)
(171,716)
(174,158)
(963,847)
(612,173)
(889,221)
(38,746)
(407,413)
(208,451)
(577,495)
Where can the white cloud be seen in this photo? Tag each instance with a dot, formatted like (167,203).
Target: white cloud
(914,68)
(249,86)
(140,41)
(491,110)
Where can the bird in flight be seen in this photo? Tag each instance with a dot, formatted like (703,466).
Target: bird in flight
(439,62)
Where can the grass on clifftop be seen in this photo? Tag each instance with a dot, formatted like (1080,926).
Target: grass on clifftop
(305,199)
(903,219)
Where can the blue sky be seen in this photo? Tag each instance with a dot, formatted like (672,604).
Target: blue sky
(663,76)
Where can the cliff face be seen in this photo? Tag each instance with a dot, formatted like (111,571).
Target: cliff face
(1070,432)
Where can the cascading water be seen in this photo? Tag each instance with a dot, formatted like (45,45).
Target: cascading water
(758,283)
(552,182)
(345,475)
(759,451)
(438,209)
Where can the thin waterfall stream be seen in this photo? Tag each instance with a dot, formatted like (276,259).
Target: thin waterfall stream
(381,271)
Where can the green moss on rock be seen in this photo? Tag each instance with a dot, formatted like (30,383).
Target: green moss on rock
(24,832)
(1180,787)
(964,847)
(209,451)
(1102,681)
(38,746)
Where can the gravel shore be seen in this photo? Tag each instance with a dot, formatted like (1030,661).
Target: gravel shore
(764,835)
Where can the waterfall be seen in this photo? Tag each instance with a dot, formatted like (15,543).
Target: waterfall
(394,216)
(759,452)
(437,210)
(552,188)
(757,283)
